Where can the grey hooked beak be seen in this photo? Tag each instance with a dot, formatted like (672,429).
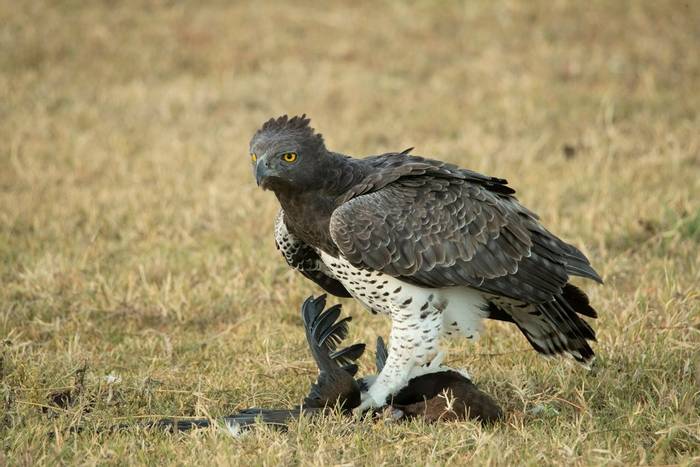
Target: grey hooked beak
(260,172)
(263,173)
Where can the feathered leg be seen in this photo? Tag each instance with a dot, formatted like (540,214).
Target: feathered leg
(416,323)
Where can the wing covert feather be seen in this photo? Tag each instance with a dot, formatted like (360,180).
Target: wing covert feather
(439,231)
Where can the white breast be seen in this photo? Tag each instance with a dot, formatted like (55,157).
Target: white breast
(372,288)
(463,308)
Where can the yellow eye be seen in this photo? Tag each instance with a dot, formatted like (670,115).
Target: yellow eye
(253,157)
(289,156)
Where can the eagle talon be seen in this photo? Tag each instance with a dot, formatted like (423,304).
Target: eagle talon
(366,404)
(392,414)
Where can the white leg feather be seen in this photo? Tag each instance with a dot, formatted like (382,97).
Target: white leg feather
(413,344)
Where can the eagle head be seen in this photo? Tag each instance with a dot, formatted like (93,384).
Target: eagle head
(287,154)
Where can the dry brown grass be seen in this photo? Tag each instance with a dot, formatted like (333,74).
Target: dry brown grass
(134,242)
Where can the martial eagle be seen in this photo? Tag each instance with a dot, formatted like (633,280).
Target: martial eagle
(436,247)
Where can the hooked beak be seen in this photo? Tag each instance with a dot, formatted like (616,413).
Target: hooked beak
(260,175)
(263,174)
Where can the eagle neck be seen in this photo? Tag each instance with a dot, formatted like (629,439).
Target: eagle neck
(307,213)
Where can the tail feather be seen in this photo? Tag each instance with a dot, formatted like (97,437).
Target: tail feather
(311,312)
(335,333)
(578,300)
(348,355)
(557,250)
(335,383)
(324,334)
(554,327)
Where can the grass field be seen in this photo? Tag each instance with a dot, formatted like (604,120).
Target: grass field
(137,266)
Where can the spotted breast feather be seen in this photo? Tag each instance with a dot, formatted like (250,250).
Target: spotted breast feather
(305,259)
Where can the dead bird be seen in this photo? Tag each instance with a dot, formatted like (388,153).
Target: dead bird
(434,393)
(437,393)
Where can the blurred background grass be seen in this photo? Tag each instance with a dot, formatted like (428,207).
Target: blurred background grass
(134,243)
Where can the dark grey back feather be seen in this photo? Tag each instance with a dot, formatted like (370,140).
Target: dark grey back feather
(437,226)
